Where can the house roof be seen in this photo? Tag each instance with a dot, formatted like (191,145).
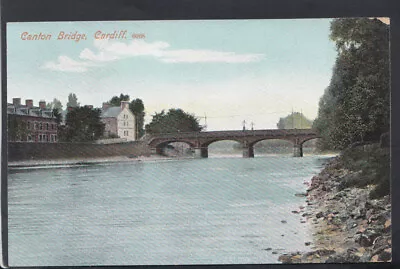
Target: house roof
(111,112)
(25,111)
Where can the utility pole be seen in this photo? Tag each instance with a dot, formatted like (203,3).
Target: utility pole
(292,119)
(244,125)
(252,126)
(205,121)
(301,118)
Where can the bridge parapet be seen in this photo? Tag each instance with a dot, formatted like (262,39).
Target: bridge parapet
(201,140)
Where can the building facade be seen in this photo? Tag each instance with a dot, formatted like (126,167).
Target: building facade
(119,121)
(27,123)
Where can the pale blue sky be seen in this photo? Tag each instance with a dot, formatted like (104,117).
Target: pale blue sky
(230,70)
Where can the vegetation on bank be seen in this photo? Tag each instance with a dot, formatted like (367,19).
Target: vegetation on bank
(174,121)
(355,108)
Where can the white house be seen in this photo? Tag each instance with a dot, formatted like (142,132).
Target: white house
(119,121)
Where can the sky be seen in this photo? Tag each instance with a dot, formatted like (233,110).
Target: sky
(225,70)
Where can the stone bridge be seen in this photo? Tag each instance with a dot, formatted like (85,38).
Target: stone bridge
(199,141)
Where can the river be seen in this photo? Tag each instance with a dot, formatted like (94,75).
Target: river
(192,211)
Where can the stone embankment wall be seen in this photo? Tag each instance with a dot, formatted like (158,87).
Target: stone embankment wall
(21,151)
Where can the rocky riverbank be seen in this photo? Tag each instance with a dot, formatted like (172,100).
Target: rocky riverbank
(348,226)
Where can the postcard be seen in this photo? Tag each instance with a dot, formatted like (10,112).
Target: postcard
(197,142)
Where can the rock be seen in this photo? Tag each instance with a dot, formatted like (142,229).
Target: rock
(301,207)
(367,238)
(290,258)
(307,243)
(303,221)
(283,221)
(301,194)
(387,226)
(374,258)
(282,235)
(320,252)
(347,257)
(379,242)
(274,252)
(295,212)
(385,255)
(306,215)
(268,249)
(319,215)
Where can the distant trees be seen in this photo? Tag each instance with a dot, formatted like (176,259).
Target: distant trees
(356,106)
(72,100)
(175,120)
(137,108)
(296,120)
(56,104)
(82,124)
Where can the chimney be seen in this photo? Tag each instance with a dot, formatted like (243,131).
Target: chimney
(124,104)
(16,101)
(42,104)
(29,103)
(105,106)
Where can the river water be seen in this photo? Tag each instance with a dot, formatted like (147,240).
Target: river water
(192,211)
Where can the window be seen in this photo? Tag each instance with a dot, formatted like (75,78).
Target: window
(40,138)
(55,138)
(47,126)
(52,126)
(29,125)
(36,126)
(40,126)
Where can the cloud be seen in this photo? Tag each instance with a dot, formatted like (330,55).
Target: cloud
(109,51)
(66,64)
(87,54)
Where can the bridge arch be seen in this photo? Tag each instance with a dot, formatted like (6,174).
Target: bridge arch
(160,146)
(272,146)
(229,147)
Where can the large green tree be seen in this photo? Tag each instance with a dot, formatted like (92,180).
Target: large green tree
(355,106)
(83,124)
(175,120)
(137,108)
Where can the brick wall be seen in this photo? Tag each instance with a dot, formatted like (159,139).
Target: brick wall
(21,151)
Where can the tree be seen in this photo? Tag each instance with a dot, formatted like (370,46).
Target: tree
(294,121)
(83,124)
(17,129)
(356,105)
(56,104)
(137,108)
(72,100)
(116,101)
(176,120)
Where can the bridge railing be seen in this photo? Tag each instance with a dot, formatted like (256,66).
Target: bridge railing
(234,133)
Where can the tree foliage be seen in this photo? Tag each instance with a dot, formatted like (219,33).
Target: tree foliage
(294,121)
(137,108)
(72,100)
(82,124)
(355,106)
(175,120)
(16,128)
(56,104)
